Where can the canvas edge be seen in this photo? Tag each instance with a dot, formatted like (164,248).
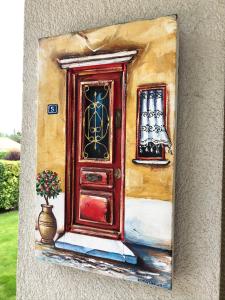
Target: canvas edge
(222,250)
(175,155)
(172,16)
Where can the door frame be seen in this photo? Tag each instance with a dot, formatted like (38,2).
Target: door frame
(71,108)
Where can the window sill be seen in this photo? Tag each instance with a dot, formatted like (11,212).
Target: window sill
(151,162)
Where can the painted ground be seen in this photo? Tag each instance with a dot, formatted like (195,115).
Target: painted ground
(154,264)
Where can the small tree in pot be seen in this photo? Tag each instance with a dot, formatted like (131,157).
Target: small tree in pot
(47,186)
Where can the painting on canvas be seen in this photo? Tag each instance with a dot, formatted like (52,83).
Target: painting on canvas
(106,150)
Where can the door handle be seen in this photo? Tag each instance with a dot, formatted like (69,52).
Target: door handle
(117,173)
(118,118)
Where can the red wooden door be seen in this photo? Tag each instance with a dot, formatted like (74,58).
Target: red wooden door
(95,149)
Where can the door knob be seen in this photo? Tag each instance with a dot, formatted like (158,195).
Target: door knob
(117,173)
(118,118)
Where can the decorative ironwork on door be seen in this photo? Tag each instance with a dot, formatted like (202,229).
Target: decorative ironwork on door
(96,122)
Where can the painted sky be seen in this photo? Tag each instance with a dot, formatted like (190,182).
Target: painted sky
(11,53)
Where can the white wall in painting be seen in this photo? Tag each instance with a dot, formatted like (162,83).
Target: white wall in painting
(148,222)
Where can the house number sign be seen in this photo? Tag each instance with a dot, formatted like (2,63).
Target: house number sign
(52,109)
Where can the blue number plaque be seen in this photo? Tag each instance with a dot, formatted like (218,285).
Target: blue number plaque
(52,109)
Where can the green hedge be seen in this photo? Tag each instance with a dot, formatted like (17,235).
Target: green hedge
(9,184)
(3,154)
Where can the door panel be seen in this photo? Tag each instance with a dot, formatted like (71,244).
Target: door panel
(96,207)
(97,153)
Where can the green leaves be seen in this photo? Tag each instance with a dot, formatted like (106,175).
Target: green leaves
(48,184)
(9,184)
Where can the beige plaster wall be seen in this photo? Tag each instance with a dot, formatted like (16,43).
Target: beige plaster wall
(199,149)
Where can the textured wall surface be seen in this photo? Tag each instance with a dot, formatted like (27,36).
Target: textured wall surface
(199,149)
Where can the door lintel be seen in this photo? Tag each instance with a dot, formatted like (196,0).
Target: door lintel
(97,59)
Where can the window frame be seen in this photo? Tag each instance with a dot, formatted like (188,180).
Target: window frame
(140,89)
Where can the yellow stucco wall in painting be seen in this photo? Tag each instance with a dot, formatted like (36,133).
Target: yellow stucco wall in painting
(155,41)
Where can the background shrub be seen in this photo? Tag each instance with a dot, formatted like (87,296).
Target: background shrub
(12,155)
(9,184)
(3,154)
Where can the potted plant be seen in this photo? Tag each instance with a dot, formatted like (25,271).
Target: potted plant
(47,186)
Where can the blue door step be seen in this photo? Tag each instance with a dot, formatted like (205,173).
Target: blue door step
(96,246)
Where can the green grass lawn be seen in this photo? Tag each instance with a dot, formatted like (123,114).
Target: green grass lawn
(8,254)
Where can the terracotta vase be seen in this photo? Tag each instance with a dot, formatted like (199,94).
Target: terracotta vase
(47,224)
